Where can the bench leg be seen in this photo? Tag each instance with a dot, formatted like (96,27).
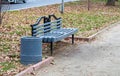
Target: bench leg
(51,48)
(72,38)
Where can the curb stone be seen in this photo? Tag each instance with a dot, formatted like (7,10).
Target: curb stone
(92,37)
(35,67)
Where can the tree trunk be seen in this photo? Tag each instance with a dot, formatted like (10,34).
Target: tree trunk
(88,5)
(0,12)
(110,2)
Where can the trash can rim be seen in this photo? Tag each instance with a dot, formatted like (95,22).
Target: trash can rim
(30,37)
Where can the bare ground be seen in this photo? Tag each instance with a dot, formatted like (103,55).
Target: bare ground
(98,58)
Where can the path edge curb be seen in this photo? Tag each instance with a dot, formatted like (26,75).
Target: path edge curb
(93,36)
(36,66)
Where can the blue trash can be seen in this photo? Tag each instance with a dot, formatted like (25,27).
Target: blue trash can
(30,50)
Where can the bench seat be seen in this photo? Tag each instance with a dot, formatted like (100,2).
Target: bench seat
(58,34)
(66,31)
(51,37)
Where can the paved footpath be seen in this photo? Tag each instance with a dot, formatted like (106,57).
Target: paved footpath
(98,58)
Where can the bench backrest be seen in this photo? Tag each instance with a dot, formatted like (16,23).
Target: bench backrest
(41,29)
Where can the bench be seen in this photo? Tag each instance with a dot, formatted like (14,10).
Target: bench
(51,30)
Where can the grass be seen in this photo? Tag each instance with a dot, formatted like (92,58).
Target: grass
(17,24)
(87,21)
(6,66)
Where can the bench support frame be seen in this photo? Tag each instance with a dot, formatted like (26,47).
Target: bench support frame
(51,45)
(51,48)
(72,38)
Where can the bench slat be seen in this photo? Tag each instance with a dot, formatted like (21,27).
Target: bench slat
(44,28)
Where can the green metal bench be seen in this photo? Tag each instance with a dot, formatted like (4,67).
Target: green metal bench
(51,30)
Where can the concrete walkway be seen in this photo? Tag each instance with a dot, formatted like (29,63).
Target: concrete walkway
(98,58)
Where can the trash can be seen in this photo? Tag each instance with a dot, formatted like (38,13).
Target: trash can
(30,50)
